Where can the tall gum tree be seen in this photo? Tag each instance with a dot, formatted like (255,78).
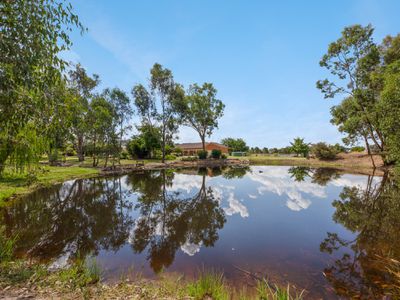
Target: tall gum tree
(201,109)
(157,105)
(351,59)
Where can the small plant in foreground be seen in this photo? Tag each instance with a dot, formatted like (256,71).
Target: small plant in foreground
(209,284)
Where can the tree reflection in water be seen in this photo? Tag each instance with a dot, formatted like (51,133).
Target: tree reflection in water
(76,218)
(169,221)
(319,176)
(373,213)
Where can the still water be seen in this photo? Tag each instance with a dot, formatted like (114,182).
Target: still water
(318,229)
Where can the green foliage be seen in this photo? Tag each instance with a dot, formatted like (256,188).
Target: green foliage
(158,105)
(170,157)
(216,153)
(7,245)
(32,35)
(124,154)
(178,151)
(235,145)
(201,109)
(202,154)
(209,284)
(339,148)
(299,147)
(189,158)
(323,151)
(367,73)
(357,149)
(82,273)
(137,148)
(390,108)
(223,156)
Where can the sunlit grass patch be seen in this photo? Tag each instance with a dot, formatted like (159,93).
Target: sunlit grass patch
(209,284)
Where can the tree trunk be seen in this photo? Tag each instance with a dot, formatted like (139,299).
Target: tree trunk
(369,152)
(79,148)
(163,146)
(203,141)
(94,152)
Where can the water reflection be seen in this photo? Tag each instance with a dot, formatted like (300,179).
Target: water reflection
(168,221)
(76,218)
(282,222)
(373,213)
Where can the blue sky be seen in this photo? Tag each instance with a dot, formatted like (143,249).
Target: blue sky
(262,56)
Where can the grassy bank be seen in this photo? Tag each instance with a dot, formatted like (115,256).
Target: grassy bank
(12,184)
(83,281)
(350,161)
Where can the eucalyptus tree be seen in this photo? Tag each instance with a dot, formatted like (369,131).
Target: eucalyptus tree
(82,86)
(32,35)
(233,144)
(363,72)
(201,109)
(157,104)
(101,117)
(122,109)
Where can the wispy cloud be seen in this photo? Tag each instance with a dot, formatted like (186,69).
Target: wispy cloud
(125,49)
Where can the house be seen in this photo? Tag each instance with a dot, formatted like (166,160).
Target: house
(192,148)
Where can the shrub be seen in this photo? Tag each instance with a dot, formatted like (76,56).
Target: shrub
(202,154)
(170,157)
(357,149)
(223,156)
(178,151)
(216,153)
(324,151)
(124,154)
(189,158)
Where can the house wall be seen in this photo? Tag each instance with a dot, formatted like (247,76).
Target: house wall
(209,148)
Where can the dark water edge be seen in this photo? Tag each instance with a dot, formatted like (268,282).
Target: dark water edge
(319,229)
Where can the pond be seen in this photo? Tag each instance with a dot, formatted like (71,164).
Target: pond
(318,229)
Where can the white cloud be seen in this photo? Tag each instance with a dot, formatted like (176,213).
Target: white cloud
(190,248)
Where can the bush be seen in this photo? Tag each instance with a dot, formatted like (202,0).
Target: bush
(324,151)
(223,156)
(170,157)
(216,153)
(136,148)
(178,151)
(202,154)
(357,149)
(189,158)
(124,154)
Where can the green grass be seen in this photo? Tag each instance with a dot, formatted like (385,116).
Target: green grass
(12,184)
(81,274)
(209,284)
(6,246)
